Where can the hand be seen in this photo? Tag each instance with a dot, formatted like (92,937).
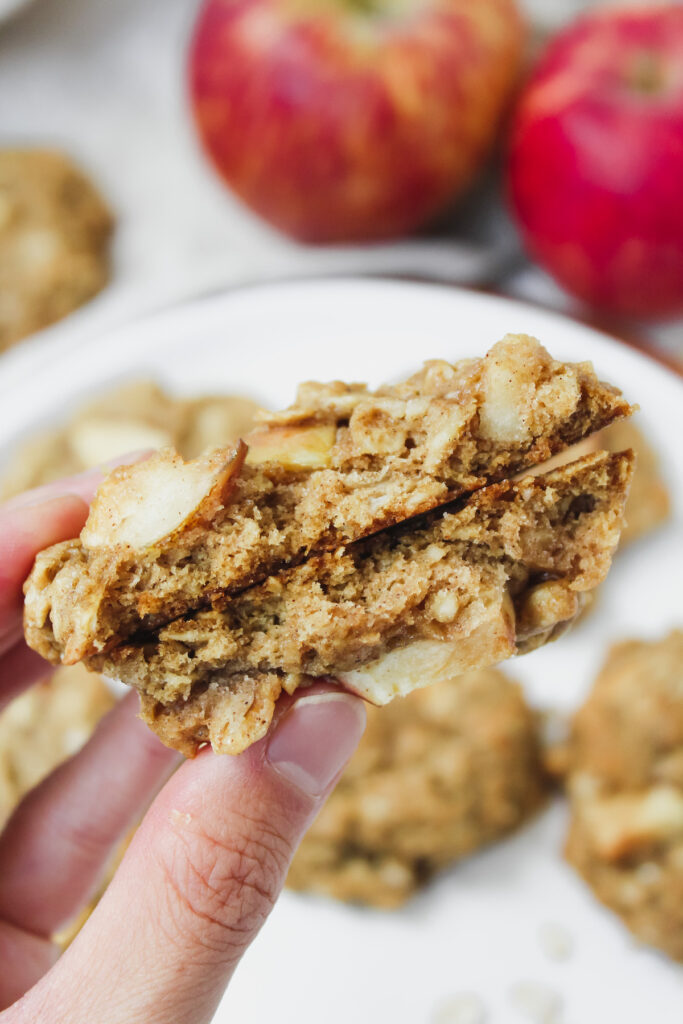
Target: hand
(204,868)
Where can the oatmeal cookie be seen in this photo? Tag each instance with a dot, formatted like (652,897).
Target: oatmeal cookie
(167,537)
(626,789)
(130,418)
(498,573)
(436,776)
(54,240)
(44,726)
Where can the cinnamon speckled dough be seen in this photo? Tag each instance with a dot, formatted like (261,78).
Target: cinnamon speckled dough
(626,789)
(465,588)
(340,464)
(133,417)
(436,776)
(54,240)
(44,726)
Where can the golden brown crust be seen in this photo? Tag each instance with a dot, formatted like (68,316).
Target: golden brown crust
(626,789)
(436,776)
(54,237)
(341,464)
(460,589)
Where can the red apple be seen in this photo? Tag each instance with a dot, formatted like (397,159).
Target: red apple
(596,161)
(343,120)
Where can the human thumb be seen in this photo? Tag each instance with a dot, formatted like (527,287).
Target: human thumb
(201,876)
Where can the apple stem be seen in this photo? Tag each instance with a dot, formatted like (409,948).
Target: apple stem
(646,75)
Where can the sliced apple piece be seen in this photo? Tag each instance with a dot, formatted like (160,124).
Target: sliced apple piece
(295,447)
(140,505)
(425,662)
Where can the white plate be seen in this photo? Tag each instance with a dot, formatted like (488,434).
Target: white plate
(477,927)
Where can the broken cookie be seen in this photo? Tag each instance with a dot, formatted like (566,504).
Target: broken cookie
(498,573)
(341,464)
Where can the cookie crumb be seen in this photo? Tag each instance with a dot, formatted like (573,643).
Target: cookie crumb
(180,817)
(463,1008)
(538,1003)
(556,941)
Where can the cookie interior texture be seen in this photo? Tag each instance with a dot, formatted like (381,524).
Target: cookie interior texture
(625,784)
(501,572)
(436,776)
(55,229)
(339,465)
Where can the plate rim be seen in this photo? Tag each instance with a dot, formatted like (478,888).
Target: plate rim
(58,340)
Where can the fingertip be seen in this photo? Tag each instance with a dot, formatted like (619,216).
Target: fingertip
(313,742)
(81,485)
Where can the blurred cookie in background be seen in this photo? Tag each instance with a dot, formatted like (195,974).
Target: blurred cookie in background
(136,416)
(44,726)
(649,502)
(625,785)
(437,775)
(38,731)
(55,230)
